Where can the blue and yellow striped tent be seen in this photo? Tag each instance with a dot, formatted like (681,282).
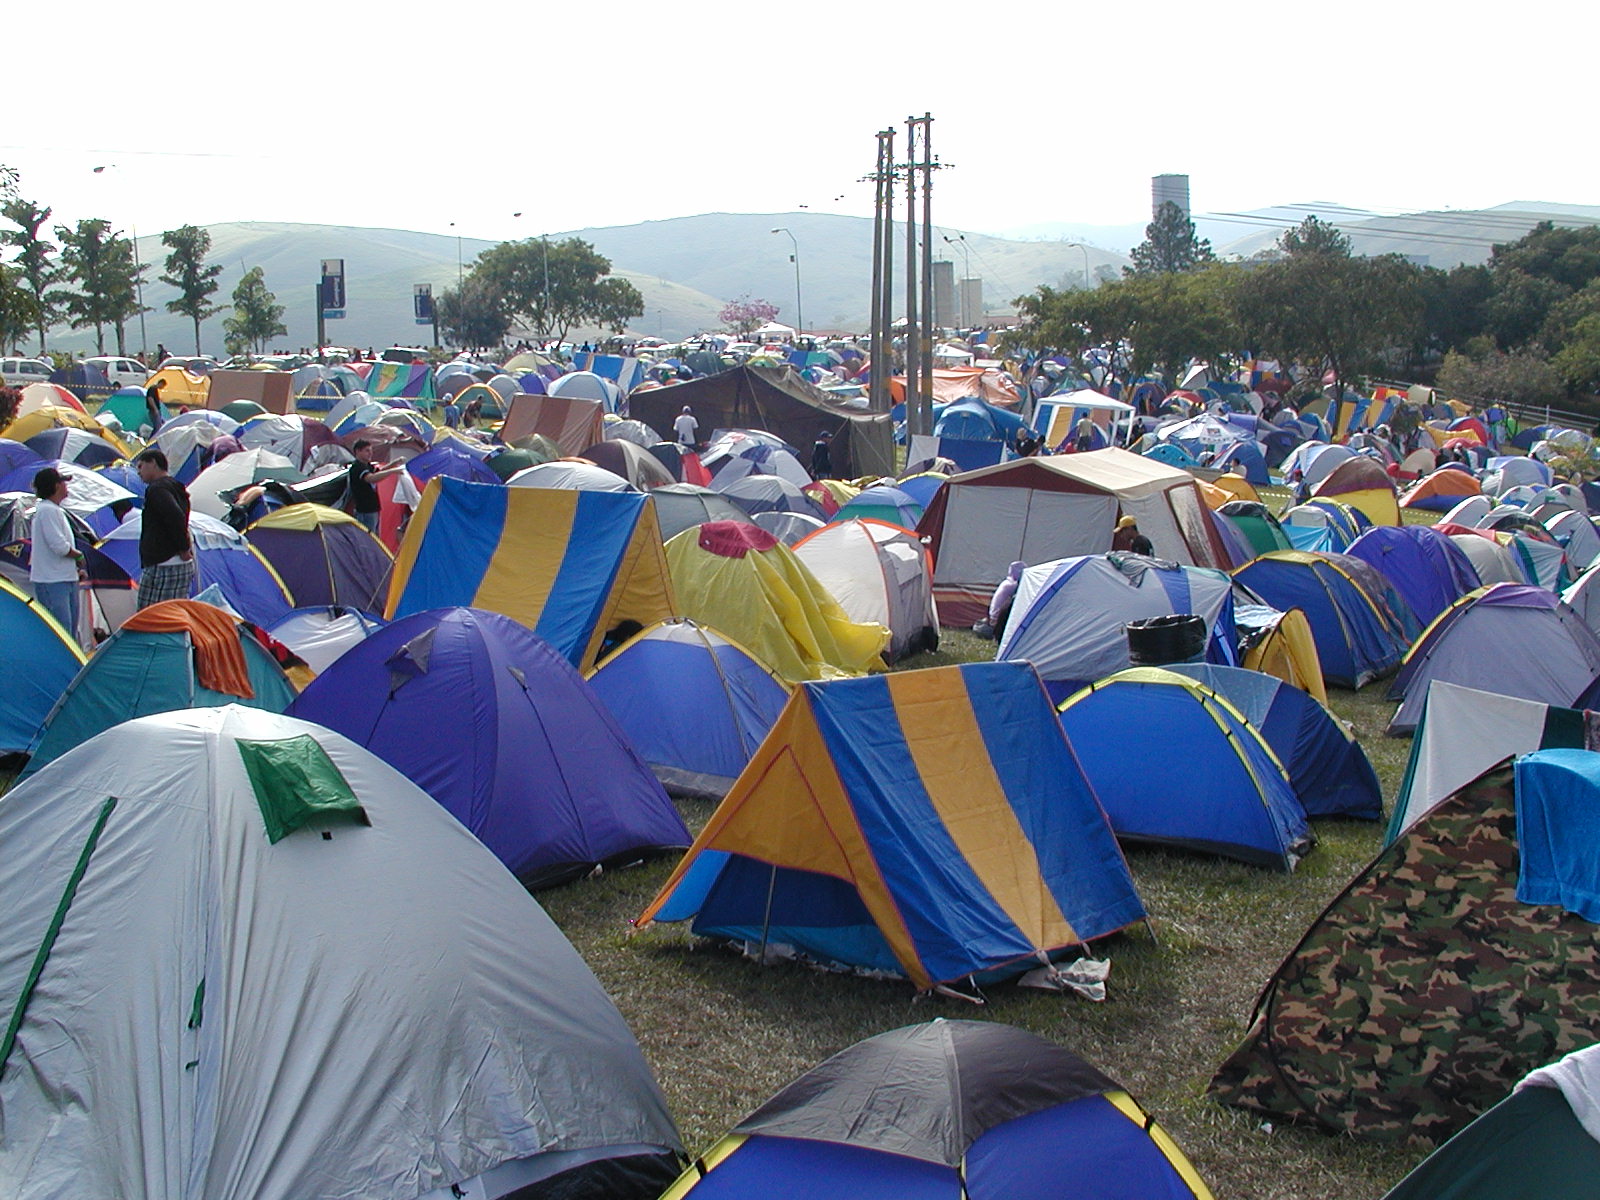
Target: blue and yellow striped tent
(933,824)
(571,566)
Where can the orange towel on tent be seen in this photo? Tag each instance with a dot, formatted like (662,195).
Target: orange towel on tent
(218,657)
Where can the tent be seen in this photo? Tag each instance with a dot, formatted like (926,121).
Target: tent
(1359,636)
(1509,639)
(172,655)
(181,944)
(1256,525)
(1280,644)
(1541,1141)
(694,703)
(571,422)
(742,580)
(1329,772)
(1324,525)
(1425,989)
(883,502)
(1214,785)
(222,557)
(1362,483)
(778,400)
(570,474)
(1583,595)
(1425,566)
(768,493)
(322,555)
(1069,617)
(950,1108)
(788,528)
(39,662)
(1492,560)
(932,824)
(495,725)
(575,567)
(880,573)
(318,636)
(680,505)
(236,471)
(1576,534)
(629,461)
(293,436)
(1036,510)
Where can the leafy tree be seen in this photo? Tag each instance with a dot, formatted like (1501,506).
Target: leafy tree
(91,263)
(744,315)
(473,316)
(1314,236)
(33,255)
(1486,374)
(1169,245)
(1578,360)
(1520,305)
(1453,306)
(1569,257)
(124,274)
(1332,313)
(187,271)
(554,286)
(257,316)
(17,309)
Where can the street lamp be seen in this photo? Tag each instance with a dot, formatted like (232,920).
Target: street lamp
(138,276)
(459,276)
(1085,250)
(799,311)
(966,268)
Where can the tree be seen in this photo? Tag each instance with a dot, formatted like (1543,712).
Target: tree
(554,286)
(744,315)
(33,255)
(1169,245)
(91,264)
(257,316)
(187,271)
(474,316)
(1314,236)
(1333,313)
(17,309)
(1521,376)
(123,275)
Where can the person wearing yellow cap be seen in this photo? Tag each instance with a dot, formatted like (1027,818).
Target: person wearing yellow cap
(1128,539)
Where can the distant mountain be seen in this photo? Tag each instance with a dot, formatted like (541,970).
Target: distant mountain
(686,269)
(1439,239)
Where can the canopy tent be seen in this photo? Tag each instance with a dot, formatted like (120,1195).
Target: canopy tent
(932,824)
(1069,616)
(741,580)
(969,1108)
(467,1050)
(880,573)
(778,400)
(1215,787)
(575,567)
(1509,639)
(1460,1008)
(1036,510)
(495,725)
(694,703)
(173,655)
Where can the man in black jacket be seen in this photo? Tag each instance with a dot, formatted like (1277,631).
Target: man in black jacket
(166,553)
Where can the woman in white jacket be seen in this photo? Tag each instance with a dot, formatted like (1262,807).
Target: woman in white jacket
(56,563)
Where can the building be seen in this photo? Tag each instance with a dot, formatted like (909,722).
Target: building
(1165,188)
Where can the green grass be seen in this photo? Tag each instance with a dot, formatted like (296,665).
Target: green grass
(724,1033)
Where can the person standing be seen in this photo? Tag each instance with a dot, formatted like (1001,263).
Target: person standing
(822,456)
(363,474)
(1083,434)
(686,427)
(55,564)
(166,552)
(152,405)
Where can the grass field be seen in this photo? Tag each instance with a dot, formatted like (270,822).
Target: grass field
(724,1033)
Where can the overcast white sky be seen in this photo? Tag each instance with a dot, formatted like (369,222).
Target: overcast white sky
(604,114)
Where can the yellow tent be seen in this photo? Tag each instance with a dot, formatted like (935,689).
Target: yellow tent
(1288,652)
(742,580)
(53,416)
(180,387)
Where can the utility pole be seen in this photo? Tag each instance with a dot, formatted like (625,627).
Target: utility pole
(929,330)
(878,392)
(885,297)
(914,414)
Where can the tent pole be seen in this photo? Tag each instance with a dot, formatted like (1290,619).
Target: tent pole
(766,919)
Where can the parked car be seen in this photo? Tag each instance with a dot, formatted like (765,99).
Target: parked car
(123,372)
(20,372)
(201,364)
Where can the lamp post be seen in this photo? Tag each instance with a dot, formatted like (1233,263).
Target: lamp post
(799,310)
(138,276)
(1085,250)
(966,269)
(459,273)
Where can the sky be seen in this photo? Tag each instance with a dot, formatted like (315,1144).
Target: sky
(457,119)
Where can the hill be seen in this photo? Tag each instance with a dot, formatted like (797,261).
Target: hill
(685,269)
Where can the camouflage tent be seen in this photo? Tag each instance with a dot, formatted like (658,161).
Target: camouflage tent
(1425,990)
